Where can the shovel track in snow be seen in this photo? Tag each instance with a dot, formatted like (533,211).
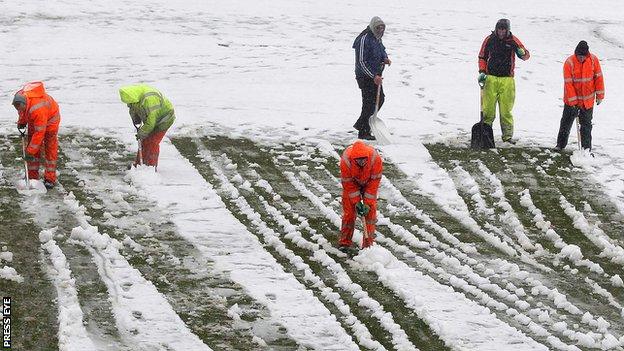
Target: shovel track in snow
(197,294)
(34,323)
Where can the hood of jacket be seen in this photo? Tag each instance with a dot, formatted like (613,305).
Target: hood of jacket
(374,22)
(359,149)
(131,94)
(33,89)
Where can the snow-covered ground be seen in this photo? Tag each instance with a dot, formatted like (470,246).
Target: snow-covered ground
(280,73)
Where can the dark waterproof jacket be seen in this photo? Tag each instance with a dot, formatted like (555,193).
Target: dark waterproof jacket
(369,55)
(498,57)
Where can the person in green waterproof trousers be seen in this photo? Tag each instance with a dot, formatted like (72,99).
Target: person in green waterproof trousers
(147,106)
(496,70)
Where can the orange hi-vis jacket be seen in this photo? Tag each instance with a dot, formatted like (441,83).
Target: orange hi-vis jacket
(42,114)
(582,81)
(358,182)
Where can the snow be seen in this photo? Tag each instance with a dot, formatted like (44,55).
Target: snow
(282,70)
(72,334)
(9,273)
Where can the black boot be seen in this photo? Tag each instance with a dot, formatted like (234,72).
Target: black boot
(366,135)
(48,184)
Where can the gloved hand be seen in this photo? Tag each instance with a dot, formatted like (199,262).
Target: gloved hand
(482,78)
(29,158)
(598,101)
(21,125)
(361,209)
(520,51)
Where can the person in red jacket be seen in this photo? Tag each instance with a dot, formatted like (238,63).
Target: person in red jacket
(360,174)
(40,113)
(583,82)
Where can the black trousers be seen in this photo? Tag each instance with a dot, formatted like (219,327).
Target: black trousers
(567,119)
(369,95)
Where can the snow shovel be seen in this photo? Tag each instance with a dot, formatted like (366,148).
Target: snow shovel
(140,148)
(23,133)
(378,127)
(482,133)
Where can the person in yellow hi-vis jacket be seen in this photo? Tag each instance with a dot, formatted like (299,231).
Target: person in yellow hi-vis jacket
(155,112)
(496,69)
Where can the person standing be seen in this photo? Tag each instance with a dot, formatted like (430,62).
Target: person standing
(370,56)
(583,82)
(496,70)
(147,106)
(360,174)
(40,113)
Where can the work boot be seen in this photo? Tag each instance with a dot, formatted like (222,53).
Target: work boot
(366,136)
(48,184)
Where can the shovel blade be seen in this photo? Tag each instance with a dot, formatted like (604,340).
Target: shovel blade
(380,131)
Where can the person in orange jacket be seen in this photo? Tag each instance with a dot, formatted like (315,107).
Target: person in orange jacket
(360,175)
(583,82)
(40,113)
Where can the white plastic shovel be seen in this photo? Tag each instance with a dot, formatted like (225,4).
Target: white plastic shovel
(378,127)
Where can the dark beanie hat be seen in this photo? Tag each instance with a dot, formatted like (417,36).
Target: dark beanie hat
(582,48)
(503,23)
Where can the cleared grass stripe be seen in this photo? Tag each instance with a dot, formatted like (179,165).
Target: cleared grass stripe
(143,315)
(520,314)
(418,331)
(479,282)
(236,251)
(98,181)
(534,285)
(399,338)
(34,325)
(449,314)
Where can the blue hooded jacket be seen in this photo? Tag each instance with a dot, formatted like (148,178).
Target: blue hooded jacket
(369,55)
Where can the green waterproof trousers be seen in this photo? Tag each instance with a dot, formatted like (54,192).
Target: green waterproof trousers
(501,90)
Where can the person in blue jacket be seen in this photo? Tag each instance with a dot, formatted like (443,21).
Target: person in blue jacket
(370,57)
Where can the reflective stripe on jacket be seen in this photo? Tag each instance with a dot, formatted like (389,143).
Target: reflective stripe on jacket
(582,81)
(360,182)
(41,114)
(148,106)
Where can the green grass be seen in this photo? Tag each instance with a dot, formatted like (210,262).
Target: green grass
(248,156)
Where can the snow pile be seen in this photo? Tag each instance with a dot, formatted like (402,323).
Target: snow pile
(5,255)
(9,273)
(144,175)
(584,159)
(593,232)
(571,252)
(72,333)
(33,186)
(617,281)
(6,272)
